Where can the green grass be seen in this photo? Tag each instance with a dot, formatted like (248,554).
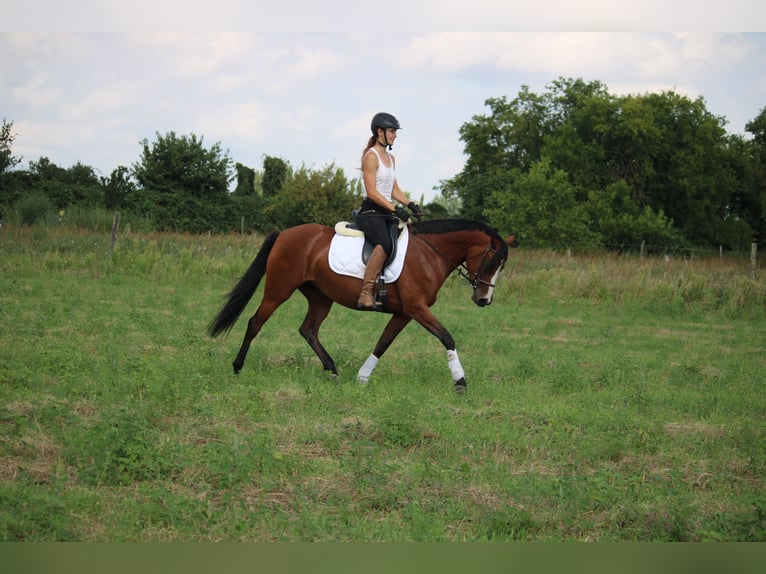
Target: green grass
(609,398)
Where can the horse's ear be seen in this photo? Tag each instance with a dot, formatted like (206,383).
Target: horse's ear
(512,241)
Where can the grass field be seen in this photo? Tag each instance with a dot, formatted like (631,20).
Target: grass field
(610,398)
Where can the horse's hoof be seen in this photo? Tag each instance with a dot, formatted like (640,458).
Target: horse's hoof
(461,386)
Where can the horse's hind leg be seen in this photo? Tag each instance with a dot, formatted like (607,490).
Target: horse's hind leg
(254,325)
(319,308)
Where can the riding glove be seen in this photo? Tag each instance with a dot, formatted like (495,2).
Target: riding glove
(401,213)
(415,209)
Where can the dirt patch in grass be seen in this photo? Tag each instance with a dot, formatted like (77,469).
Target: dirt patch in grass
(694,428)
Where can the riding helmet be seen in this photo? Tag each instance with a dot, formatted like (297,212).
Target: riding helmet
(384,120)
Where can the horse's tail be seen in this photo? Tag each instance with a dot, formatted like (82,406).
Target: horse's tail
(243,291)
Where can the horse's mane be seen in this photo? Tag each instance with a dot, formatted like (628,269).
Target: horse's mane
(449,225)
(438,226)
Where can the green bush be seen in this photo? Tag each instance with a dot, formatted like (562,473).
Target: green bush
(32,208)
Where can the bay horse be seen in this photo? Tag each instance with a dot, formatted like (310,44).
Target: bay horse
(297,258)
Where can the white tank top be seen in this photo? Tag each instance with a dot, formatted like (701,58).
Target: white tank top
(385,176)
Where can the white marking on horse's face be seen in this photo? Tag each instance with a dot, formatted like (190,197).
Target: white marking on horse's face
(483,294)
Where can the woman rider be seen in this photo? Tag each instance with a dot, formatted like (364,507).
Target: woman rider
(378,208)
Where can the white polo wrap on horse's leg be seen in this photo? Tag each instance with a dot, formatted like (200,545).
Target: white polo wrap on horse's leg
(454,365)
(366,369)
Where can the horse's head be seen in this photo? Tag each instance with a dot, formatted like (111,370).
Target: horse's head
(473,249)
(484,264)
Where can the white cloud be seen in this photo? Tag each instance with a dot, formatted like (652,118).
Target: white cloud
(35,93)
(713,49)
(507,51)
(552,53)
(250,120)
(101,101)
(622,56)
(195,55)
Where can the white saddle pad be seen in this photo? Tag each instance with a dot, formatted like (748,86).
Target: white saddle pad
(346,256)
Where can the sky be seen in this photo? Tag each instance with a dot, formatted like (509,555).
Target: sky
(89,80)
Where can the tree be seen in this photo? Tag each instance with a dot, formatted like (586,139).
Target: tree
(443,206)
(624,224)
(474,190)
(7,159)
(754,195)
(633,141)
(542,208)
(507,139)
(9,182)
(77,185)
(184,186)
(582,115)
(690,180)
(245,180)
(310,196)
(119,190)
(665,153)
(275,173)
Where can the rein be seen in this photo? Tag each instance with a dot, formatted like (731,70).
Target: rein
(461,267)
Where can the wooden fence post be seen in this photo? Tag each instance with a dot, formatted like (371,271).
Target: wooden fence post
(753,260)
(115,230)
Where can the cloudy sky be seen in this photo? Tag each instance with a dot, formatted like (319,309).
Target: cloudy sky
(87,81)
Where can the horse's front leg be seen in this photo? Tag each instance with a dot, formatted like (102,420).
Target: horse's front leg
(393,328)
(433,326)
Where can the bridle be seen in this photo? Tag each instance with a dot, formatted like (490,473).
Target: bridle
(462,268)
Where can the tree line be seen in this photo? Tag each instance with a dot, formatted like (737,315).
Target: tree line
(181,184)
(571,166)
(578,166)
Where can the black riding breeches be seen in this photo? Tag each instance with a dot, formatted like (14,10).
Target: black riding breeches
(375,220)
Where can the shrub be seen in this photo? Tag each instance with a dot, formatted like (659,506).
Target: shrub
(32,208)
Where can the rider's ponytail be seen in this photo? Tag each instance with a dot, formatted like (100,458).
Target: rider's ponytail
(370,144)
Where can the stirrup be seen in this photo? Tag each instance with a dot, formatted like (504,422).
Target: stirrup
(381,295)
(376,306)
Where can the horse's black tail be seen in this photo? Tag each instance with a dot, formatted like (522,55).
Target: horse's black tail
(243,291)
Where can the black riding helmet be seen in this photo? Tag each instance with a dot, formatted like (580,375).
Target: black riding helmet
(384,120)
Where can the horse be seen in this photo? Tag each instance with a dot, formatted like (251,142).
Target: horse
(297,259)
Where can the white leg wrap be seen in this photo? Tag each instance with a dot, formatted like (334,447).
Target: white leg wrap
(366,370)
(454,366)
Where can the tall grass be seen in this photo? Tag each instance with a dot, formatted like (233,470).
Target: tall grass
(37,209)
(610,398)
(719,284)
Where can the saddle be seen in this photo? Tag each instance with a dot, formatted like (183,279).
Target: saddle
(353,230)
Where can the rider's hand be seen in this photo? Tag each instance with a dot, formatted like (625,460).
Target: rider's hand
(401,213)
(415,209)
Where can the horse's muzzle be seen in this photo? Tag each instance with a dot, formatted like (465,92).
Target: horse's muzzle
(482,301)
